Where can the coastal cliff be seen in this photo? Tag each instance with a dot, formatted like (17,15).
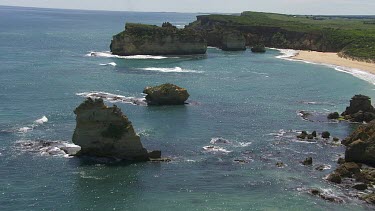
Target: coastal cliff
(141,39)
(349,38)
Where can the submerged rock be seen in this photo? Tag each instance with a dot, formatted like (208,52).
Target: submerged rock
(104,131)
(308,161)
(303,135)
(326,134)
(166,94)
(142,39)
(334,115)
(326,195)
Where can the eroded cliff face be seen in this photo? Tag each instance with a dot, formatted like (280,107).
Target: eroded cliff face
(106,132)
(140,39)
(214,32)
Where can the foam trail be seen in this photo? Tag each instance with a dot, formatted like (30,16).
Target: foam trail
(358,73)
(109,64)
(170,70)
(108,54)
(42,120)
(113,97)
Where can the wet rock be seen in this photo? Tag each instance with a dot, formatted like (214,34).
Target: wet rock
(308,161)
(359,103)
(325,195)
(334,115)
(348,169)
(360,145)
(320,168)
(154,154)
(341,161)
(360,109)
(335,139)
(369,198)
(360,186)
(166,94)
(335,178)
(103,131)
(310,137)
(326,134)
(314,134)
(280,164)
(303,135)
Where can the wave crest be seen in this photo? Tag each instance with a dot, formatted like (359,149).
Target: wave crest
(170,70)
(108,54)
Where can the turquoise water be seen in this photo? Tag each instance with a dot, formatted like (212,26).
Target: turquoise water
(251,100)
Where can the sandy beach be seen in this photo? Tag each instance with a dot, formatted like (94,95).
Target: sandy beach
(333,58)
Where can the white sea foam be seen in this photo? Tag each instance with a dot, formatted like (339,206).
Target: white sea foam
(215,149)
(170,70)
(113,97)
(42,120)
(24,129)
(48,148)
(108,54)
(109,64)
(286,54)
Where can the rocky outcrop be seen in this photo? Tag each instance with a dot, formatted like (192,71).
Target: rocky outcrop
(166,94)
(141,39)
(360,109)
(258,49)
(360,149)
(233,41)
(104,131)
(360,145)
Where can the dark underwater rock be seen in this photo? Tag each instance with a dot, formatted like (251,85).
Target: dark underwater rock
(334,115)
(326,134)
(308,161)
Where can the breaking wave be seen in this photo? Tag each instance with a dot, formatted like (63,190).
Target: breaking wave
(286,54)
(109,64)
(170,70)
(113,98)
(108,54)
(48,148)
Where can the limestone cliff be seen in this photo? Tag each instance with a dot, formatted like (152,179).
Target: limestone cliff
(233,41)
(141,39)
(106,132)
(214,31)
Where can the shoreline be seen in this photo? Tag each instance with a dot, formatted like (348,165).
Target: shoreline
(362,70)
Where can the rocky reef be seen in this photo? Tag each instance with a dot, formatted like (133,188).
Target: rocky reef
(103,131)
(359,110)
(357,170)
(142,39)
(166,94)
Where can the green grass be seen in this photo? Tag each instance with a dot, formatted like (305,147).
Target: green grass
(353,37)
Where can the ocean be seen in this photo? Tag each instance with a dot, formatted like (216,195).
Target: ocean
(243,116)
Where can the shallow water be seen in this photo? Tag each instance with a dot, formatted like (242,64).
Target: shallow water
(251,100)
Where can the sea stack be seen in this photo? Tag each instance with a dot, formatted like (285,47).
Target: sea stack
(104,131)
(166,94)
(360,109)
(142,39)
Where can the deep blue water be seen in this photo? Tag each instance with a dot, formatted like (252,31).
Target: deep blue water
(243,97)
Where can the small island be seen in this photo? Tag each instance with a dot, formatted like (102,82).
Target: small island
(142,39)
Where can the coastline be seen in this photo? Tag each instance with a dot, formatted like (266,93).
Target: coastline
(362,70)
